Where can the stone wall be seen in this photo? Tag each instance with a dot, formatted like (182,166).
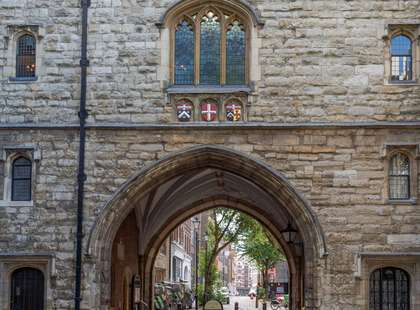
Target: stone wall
(340,171)
(318,61)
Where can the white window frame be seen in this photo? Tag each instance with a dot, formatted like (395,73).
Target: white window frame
(8,154)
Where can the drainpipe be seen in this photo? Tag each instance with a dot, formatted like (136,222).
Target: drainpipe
(81,177)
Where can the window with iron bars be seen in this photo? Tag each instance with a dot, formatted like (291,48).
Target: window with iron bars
(26,57)
(399,177)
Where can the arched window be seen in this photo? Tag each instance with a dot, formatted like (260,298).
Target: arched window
(27,289)
(210,40)
(235,53)
(389,288)
(25,56)
(399,177)
(184,53)
(21,179)
(401,58)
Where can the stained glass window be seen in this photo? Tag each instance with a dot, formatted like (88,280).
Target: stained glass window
(210,49)
(389,288)
(401,58)
(399,177)
(21,179)
(25,56)
(184,54)
(235,54)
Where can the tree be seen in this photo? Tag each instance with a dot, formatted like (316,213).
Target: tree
(224,228)
(256,244)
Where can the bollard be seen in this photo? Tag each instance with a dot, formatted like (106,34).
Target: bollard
(264,305)
(236,306)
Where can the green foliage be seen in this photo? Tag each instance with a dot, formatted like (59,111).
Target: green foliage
(224,228)
(255,244)
(261,293)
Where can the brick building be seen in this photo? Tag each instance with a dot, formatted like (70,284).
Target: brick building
(119,119)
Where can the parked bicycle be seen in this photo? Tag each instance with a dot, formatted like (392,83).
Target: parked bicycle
(281,301)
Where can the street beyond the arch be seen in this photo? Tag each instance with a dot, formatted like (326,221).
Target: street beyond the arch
(221,259)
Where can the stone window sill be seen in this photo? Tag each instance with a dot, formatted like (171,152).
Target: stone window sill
(402,83)
(6,203)
(208,89)
(13,79)
(411,201)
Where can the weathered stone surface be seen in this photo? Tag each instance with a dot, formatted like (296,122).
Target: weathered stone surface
(308,52)
(319,61)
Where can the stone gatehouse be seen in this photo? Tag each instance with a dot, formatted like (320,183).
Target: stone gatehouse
(301,112)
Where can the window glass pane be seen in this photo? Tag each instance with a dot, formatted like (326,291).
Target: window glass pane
(401,58)
(25,56)
(22,172)
(184,53)
(400,165)
(389,289)
(21,190)
(399,187)
(210,49)
(235,54)
(400,46)
(399,177)
(21,179)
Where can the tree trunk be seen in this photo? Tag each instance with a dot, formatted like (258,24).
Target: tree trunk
(265,281)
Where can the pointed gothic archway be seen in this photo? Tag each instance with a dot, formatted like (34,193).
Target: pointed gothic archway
(163,195)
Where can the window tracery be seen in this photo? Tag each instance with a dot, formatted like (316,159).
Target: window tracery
(209,47)
(210,65)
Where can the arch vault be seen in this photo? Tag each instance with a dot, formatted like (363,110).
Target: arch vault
(185,183)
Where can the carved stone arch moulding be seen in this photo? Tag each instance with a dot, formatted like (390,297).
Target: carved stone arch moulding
(241,6)
(275,195)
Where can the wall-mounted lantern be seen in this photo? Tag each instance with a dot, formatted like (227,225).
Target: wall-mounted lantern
(289,234)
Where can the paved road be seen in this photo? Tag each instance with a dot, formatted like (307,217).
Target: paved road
(245,303)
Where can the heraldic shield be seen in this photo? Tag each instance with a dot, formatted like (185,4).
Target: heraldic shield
(233,112)
(184,111)
(208,111)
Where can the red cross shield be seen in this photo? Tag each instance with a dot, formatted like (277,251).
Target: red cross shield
(208,111)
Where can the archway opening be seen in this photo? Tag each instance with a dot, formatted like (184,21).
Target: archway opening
(167,193)
(232,258)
